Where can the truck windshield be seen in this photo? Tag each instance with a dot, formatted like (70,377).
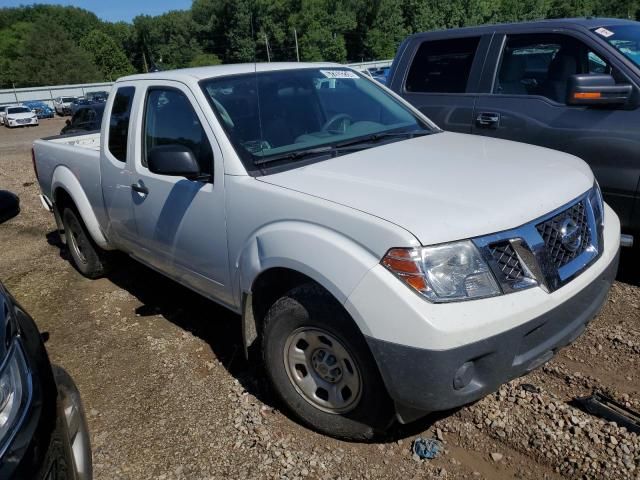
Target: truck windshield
(625,38)
(278,117)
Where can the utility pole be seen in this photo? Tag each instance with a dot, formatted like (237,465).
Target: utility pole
(266,42)
(295,35)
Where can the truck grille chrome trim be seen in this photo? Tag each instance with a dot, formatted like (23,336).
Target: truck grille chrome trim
(567,234)
(551,250)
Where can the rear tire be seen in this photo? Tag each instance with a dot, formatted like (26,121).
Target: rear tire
(320,366)
(89,259)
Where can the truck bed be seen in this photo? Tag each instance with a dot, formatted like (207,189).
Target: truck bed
(76,158)
(90,141)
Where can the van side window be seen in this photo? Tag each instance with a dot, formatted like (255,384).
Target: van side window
(442,66)
(169,119)
(119,122)
(541,64)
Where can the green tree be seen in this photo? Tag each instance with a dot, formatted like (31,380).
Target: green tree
(169,40)
(56,61)
(107,55)
(618,8)
(387,30)
(571,8)
(519,10)
(321,25)
(12,40)
(204,60)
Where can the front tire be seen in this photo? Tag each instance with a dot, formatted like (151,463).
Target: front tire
(320,366)
(89,259)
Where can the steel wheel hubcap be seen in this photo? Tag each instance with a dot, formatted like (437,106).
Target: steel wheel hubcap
(322,370)
(73,230)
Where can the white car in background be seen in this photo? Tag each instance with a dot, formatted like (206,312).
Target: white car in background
(62,105)
(3,113)
(19,116)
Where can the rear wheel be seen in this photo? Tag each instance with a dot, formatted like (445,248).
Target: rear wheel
(88,258)
(321,368)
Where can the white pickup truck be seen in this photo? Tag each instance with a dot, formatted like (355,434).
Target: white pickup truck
(382,268)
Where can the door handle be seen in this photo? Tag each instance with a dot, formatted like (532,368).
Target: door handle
(137,187)
(488,120)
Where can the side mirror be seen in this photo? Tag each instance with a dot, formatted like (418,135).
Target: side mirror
(597,89)
(9,205)
(67,122)
(174,160)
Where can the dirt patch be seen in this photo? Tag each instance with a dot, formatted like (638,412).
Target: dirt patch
(169,395)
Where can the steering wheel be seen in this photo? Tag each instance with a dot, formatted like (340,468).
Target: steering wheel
(344,117)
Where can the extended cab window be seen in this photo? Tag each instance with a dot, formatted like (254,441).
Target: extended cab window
(542,64)
(442,66)
(119,122)
(169,119)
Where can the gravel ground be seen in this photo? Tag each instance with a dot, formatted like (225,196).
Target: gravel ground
(169,396)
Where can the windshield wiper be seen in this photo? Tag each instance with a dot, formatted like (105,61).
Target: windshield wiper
(374,137)
(329,149)
(341,147)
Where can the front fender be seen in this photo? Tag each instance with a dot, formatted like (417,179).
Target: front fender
(335,261)
(64,179)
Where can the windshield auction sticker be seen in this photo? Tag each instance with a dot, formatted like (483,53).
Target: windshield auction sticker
(604,32)
(339,74)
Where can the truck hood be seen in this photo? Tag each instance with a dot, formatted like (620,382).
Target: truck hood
(446,186)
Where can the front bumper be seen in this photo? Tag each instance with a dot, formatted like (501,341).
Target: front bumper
(18,123)
(422,381)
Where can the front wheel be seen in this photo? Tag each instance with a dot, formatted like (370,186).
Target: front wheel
(321,368)
(89,259)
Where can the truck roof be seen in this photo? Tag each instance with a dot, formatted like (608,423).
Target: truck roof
(199,73)
(582,22)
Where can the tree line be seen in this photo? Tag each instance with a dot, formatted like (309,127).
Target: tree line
(53,45)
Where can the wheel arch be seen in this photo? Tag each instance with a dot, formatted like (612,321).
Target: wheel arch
(289,254)
(67,191)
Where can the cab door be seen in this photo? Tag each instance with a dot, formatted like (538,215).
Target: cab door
(524,99)
(116,156)
(181,224)
(442,75)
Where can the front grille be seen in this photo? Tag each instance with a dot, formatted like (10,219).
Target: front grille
(507,261)
(23,120)
(561,253)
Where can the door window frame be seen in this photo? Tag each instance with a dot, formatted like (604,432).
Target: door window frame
(477,66)
(499,43)
(139,146)
(106,124)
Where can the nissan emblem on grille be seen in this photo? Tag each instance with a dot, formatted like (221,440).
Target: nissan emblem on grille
(566,235)
(570,234)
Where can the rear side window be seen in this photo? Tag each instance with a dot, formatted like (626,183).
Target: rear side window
(442,66)
(169,119)
(119,122)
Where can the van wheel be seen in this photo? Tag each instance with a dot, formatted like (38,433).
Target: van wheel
(321,368)
(90,260)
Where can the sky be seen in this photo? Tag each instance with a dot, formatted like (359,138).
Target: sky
(113,10)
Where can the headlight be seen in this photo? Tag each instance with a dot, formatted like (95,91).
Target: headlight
(444,273)
(15,388)
(597,203)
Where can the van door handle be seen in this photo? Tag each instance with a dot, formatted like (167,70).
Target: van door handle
(137,187)
(488,120)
